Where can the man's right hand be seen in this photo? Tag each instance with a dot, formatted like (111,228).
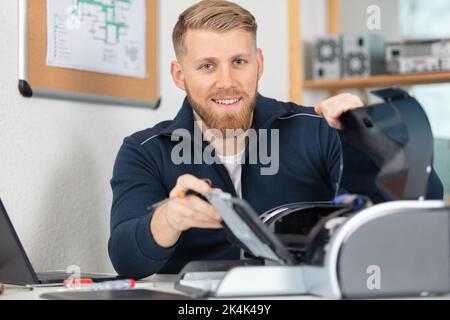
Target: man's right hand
(178,215)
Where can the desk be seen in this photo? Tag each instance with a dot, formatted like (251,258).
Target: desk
(163,283)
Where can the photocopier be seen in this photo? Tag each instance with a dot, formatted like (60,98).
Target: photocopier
(379,239)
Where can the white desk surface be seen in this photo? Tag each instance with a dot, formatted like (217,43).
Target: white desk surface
(164,283)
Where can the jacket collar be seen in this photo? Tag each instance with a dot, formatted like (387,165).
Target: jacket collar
(266,111)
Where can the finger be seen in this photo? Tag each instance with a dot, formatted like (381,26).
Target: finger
(324,107)
(342,108)
(318,109)
(176,215)
(343,98)
(354,98)
(203,207)
(188,181)
(190,213)
(336,124)
(333,120)
(331,100)
(204,225)
(181,217)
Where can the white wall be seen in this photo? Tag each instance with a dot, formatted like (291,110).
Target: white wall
(56,157)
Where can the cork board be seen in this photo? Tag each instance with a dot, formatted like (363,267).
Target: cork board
(38,79)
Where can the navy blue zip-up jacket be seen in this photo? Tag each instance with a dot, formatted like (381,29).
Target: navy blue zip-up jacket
(309,170)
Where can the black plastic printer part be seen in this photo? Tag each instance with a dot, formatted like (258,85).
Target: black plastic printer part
(387,149)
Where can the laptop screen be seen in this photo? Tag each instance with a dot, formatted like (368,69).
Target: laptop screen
(15,268)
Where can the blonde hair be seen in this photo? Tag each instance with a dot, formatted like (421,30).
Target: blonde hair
(213,15)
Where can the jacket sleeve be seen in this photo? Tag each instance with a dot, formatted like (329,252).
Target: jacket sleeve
(330,146)
(136,185)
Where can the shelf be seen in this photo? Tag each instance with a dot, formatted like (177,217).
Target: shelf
(379,81)
(297,84)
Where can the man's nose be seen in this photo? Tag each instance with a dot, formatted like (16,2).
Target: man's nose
(225,78)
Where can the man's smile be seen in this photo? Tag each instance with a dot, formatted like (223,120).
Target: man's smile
(227,102)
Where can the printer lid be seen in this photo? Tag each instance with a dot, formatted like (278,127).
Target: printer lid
(387,148)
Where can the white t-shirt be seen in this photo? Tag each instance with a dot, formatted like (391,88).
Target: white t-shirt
(233,164)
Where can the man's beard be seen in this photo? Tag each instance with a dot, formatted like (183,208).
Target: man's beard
(232,119)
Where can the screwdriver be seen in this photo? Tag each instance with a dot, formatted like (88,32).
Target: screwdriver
(183,194)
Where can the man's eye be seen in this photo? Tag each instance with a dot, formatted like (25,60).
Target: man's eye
(207,66)
(240,61)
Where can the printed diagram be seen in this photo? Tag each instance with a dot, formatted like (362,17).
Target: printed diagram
(109,18)
(97,35)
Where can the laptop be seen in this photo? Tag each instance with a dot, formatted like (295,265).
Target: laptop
(15,267)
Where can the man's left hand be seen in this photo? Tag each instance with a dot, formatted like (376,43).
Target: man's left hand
(332,108)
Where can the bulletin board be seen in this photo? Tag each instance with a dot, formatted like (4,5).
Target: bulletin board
(36,78)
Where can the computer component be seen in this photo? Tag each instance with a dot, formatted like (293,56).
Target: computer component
(418,56)
(363,55)
(328,58)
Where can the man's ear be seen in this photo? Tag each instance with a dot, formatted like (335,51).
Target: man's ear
(260,58)
(177,75)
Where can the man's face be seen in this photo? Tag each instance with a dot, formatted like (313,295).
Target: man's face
(220,74)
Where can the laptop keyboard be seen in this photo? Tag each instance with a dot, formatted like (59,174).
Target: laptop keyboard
(52,277)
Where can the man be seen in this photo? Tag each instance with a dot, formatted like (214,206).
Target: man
(218,65)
